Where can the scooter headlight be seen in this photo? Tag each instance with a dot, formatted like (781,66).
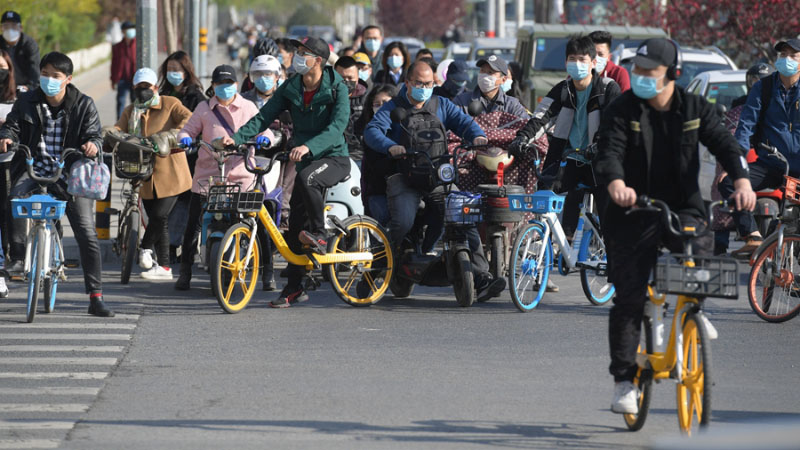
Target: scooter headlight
(218,216)
(447,173)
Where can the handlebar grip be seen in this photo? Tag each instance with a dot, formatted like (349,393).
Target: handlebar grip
(643,201)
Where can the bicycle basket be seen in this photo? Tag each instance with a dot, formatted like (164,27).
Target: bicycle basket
(132,160)
(249,202)
(711,277)
(207,183)
(793,190)
(540,202)
(462,208)
(222,198)
(39,207)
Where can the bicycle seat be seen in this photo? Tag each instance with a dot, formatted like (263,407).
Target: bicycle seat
(777,194)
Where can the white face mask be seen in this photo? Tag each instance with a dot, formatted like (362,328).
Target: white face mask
(486,82)
(11,35)
(601,64)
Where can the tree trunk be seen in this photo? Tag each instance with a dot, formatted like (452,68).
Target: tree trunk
(169,26)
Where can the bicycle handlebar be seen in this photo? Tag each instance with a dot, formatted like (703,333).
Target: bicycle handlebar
(647,204)
(773,151)
(260,171)
(29,164)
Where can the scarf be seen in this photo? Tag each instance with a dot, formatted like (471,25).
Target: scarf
(135,120)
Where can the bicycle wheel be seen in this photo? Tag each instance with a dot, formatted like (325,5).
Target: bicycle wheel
(400,287)
(212,254)
(234,267)
(51,279)
(531,259)
(361,283)
(496,267)
(463,280)
(129,237)
(775,297)
(35,275)
(694,386)
(644,381)
(596,287)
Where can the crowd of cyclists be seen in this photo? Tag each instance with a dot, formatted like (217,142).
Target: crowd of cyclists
(332,108)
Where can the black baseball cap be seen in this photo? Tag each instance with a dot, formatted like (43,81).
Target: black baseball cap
(223,73)
(793,43)
(317,46)
(457,71)
(655,52)
(125,25)
(11,16)
(495,62)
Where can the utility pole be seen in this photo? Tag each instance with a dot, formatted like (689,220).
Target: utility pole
(146,34)
(203,40)
(491,19)
(520,13)
(501,18)
(191,30)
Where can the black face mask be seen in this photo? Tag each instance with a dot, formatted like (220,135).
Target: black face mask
(143,94)
(351,85)
(3,76)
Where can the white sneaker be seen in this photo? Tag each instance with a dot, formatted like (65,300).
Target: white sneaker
(158,273)
(3,287)
(145,258)
(626,398)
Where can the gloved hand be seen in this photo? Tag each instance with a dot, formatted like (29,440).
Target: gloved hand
(163,142)
(517,146)
(186,142)
(262,142)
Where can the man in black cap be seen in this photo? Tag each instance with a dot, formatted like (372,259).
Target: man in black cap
(456,81)
(123,65)
(23,50)
(770,115)
(648,145)
(491,78)
(319,103)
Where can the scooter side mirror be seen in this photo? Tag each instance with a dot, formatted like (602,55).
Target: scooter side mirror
(398,115)
(475,108)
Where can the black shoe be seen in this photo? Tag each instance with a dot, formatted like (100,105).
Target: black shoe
(16,268)
(268,282)
(98,308)
(318,245)
(492,289)
(289,296)
(184,281)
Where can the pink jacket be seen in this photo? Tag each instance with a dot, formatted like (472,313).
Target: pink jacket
(204,121)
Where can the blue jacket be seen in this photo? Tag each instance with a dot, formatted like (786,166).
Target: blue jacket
(381,133)
(781,127)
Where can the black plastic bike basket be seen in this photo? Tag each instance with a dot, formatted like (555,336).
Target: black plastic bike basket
(463,208)
(249,202)
(133,162)
(711,277)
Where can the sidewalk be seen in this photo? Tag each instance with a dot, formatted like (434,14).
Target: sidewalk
(96,84)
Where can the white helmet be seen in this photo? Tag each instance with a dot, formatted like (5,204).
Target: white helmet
(265,63)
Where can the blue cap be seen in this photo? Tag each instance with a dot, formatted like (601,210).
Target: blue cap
(457,71)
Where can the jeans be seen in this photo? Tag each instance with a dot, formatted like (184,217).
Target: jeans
(157,232)
(761,177)
(632,253)
(379,209)
(178,218)
(81,218)
(307,205)
(124,91)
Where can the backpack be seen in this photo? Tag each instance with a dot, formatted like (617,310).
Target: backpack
(766,98)
(425,133)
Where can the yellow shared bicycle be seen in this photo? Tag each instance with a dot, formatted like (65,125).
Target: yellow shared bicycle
(358,262)
(684,355)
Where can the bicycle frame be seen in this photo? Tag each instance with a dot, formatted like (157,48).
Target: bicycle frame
(572,254)
(48,227)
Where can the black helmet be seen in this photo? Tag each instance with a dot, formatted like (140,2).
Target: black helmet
(756,73)
(265,46)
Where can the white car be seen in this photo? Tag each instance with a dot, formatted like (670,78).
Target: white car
(486,47)
(720,87)
(695,61)
(458,51)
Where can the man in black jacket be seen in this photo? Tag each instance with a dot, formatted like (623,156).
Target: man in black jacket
(48,120)
(648,145)
(23,50)
(348,69)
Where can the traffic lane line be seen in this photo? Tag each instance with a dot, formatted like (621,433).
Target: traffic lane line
(59,361)
(66,336)
(76,325)
(43,407)
(51,390)
(62,348)
(33,424)
(50,375)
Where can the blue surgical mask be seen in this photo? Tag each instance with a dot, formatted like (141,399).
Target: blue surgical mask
(786,66)
(372,45)
(577,70)
(421,94)
(601,64)
(280,59)
(50,86)
(175,78)
(507,85)
(130,33)
(645,87)
(394,61)
(363,75)
(225,91)
(265,84)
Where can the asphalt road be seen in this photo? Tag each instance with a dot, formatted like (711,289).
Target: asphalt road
(176,372)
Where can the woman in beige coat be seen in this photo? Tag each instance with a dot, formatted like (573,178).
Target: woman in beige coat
(154,114)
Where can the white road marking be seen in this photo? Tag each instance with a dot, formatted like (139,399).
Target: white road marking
(36,424)
(62,348)
(48,375)
(29,443)
(77,325)
(55,361)
(51,390)
(43,407)
(64,337)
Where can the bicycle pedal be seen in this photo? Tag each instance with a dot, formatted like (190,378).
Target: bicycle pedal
(72,263)
(339,225)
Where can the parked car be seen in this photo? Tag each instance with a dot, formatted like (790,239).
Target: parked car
(458,51)
(695,61)
(486,47)
(412,44)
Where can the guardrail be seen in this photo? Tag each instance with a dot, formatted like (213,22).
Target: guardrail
(87,57)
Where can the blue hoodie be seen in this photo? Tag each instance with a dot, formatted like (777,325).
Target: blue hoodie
(381,133)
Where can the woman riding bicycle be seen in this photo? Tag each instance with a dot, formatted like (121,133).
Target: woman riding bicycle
(157,117)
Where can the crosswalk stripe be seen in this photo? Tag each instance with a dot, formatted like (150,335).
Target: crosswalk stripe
(58,315)
(78,325)
(36,424)
(51,390)
(63,337)
(48,375)
(85,361)
(42,407)
(62,348)
(29,443)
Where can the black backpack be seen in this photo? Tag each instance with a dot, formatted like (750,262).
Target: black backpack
(425,133)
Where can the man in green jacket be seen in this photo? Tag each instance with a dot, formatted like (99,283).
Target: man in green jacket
(319,104)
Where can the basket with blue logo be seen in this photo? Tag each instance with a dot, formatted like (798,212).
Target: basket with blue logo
(38,207)
(540,202)
(462,208)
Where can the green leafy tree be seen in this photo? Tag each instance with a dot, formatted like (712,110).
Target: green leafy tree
(56,24)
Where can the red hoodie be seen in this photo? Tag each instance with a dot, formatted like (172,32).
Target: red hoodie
(618,74)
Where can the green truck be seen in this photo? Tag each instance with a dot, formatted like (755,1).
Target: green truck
(541,52)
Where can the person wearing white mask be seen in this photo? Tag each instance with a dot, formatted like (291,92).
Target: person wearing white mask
(492,78)
(23,50)
(265,71)
(123,66)
(605,67)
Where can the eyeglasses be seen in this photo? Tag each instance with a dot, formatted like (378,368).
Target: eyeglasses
(421,85)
